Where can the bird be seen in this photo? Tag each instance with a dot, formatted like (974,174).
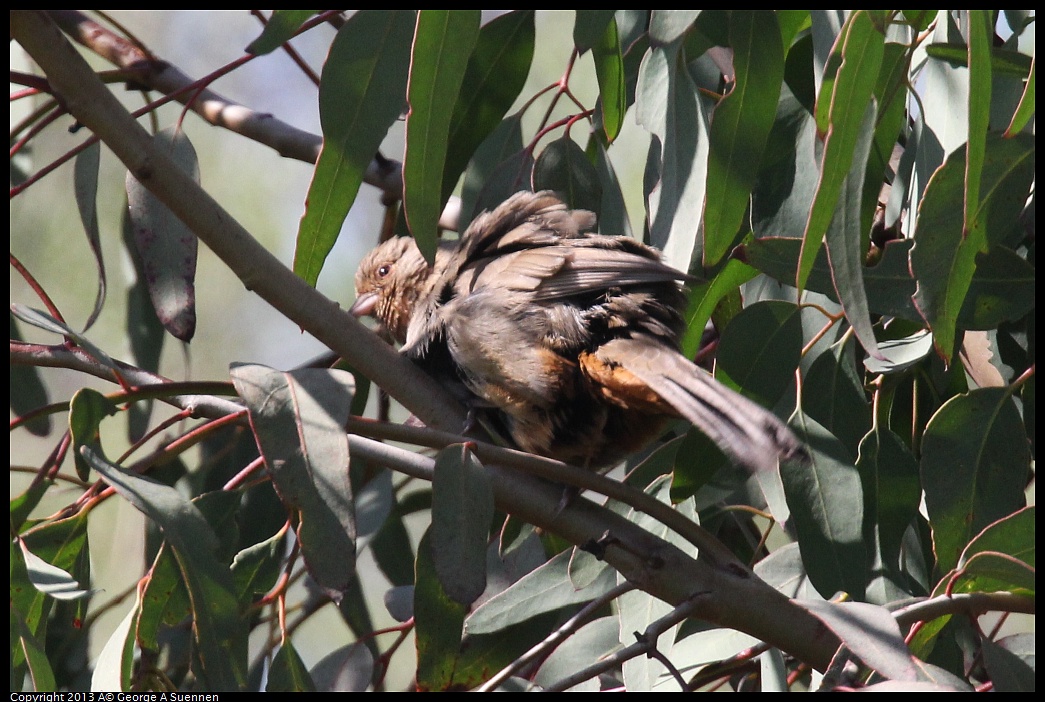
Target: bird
(569,339)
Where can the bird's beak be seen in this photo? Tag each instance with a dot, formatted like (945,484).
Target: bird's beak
(364,304)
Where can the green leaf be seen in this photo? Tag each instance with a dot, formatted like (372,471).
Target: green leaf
(892,493)
(24,504)
(443,42)
(833,395)
(740,127)
(85,186)
(900,354)
(62,544)
(49,579)
(256,568)
(115,664)
(975,462)
(861,54)
(298,420)
(58,548)
(27,392)
(1002,290)
(871,634)
(705,297)
(891,97)
(462,510)
(279,29)
(697,461)
(288,672)
(668,25)
(585,647)
(826,502)
(1002,61)
(787,180)
(498,168)
(590,28)
(609,71)
(166,248)
(1002,287)
(55,554)
(1026,108)
(218,629)
(29,649)
(943,260)
(362,92)
(1013,535)
(354,609)
(438,621)
(144,330)
(994,572)
(782,569)
(670,107)
(613,213)
(1008,172)
(546,588)
(482,654)
(564,167)
(1010,663)
(346,669)
(165,602)
(791,23)
(844,240)
(980,33)
(87,409)
(496,74)
(760,350)
(393,551)
(919,19)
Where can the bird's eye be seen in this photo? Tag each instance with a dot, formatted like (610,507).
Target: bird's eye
(384,270)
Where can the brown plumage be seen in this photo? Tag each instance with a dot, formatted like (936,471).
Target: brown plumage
(571,338)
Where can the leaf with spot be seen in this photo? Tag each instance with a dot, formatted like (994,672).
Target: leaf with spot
(166,247)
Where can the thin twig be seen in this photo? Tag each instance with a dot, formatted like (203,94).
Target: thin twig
(545,647)
(642,647)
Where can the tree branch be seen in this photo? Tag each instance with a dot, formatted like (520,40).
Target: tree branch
(287,140)
(970,603)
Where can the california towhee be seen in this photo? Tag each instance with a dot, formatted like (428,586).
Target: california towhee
(571,337)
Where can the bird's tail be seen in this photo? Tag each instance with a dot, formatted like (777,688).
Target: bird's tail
(745,431)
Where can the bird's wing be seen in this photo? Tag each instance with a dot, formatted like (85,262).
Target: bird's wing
(533,243)
(525,220)
(589,269)
(553,273)
(745,431)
